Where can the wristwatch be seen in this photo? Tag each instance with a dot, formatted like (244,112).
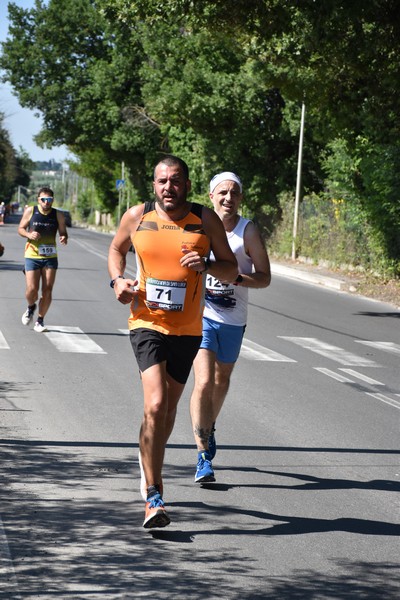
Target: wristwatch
(112,282)
(239,279)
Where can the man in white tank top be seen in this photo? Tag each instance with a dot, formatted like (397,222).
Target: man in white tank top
(224,318)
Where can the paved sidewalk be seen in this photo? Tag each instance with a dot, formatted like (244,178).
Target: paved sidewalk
(313,274)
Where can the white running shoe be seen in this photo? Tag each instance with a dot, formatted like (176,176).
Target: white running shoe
(39,327)
(28,315)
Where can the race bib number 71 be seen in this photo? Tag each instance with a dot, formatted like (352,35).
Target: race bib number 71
(165,295)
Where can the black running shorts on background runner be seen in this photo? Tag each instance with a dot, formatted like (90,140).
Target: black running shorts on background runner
(152,348)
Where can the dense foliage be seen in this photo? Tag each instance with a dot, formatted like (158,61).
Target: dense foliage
(221,84)
(15,166)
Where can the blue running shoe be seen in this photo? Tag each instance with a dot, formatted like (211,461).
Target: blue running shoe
(212,444)
(204,472)
(155,513)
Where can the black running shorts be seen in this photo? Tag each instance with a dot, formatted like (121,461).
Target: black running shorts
(152,348)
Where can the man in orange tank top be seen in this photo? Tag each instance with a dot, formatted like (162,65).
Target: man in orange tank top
(172,238)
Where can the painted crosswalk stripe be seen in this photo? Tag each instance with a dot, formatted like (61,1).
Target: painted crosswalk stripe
(334,375)
(361,376)
(7,571)
(385,399)
(386,346)
(72,339)
(333,352)
(253,351)
(3,343)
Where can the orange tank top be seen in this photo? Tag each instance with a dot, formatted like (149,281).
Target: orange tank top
(171,297)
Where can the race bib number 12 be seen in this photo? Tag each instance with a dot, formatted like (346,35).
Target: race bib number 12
(215,287)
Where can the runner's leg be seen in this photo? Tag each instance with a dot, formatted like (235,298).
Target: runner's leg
(48,279)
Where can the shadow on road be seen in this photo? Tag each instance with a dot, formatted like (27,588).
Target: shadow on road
(67,538)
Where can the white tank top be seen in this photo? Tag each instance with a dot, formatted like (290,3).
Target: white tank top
(227,303)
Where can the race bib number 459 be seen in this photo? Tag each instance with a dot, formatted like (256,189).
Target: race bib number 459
(46,250)
(165,295)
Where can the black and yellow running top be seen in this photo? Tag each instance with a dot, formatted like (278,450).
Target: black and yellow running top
(47,226)
(171,297)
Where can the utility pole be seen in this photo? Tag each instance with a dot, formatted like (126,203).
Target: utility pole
(120,186)
(298,183)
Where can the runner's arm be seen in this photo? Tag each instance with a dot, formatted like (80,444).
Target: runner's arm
(24,223)
(118,250)
(62,228)
(224,267)
(255,249)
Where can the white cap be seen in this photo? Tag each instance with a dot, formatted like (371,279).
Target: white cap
(225,176)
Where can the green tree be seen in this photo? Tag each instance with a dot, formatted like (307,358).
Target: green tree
(340,54)
(221,84)
(15,168)
(84,81)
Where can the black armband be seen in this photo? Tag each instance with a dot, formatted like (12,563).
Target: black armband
(207,264)
(112,282)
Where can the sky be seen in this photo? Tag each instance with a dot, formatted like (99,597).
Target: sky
(21,123)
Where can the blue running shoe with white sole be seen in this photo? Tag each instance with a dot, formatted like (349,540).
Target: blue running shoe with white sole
(204,471)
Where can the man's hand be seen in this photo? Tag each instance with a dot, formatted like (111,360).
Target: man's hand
(125,289)
(193,260)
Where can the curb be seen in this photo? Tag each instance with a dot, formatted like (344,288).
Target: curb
(330,282)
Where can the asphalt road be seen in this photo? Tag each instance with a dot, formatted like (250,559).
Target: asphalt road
(307,467)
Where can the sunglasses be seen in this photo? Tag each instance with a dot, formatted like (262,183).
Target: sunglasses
(49,199)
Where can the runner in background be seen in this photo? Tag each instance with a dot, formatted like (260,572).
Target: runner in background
(39,225)
(224,318)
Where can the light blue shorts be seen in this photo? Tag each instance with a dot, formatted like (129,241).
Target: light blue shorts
(224,340)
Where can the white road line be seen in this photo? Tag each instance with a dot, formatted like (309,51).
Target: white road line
(386,346)
(3,343)
(72,339)
(343,379)
(385,399)
(361,376)
(88,247)
(253,351)
(333,352)
(334,375)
